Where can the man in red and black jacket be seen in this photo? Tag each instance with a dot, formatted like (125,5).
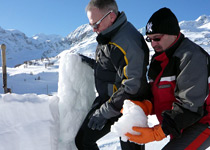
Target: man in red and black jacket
(179,76)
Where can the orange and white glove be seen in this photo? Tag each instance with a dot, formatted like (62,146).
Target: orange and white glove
(146,134)
(146,106)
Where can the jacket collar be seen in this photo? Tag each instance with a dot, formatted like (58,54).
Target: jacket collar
(105,36)
(170,51)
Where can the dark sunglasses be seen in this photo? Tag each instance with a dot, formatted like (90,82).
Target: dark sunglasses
(155,39)
(96,25)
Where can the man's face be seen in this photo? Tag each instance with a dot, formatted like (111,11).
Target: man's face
(94,15)
(161,42)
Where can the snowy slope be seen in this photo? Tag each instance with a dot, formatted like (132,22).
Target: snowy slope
(40,74)
(198,31)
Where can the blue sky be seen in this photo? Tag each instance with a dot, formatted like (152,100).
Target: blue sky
(61,17)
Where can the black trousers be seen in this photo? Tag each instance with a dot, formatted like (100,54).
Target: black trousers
(86,138)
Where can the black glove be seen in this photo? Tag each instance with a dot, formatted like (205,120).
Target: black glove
(97,121)
(87,60)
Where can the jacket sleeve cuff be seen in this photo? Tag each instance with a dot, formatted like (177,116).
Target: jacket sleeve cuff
(108,111)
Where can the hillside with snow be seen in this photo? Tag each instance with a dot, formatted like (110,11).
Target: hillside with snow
(33,65)
(21,48)
(198,31)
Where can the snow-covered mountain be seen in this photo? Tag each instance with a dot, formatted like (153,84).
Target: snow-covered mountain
(198,31)
(21,48)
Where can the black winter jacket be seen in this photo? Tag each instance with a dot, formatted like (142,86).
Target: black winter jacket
(122,57)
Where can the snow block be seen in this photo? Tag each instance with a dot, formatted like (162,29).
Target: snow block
(76,91)
(28,122)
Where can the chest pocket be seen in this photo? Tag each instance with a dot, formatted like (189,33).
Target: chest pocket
(165,90)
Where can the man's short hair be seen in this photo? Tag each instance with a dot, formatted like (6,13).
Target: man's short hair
(103,5)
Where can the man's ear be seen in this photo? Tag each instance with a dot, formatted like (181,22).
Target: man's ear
(113,17)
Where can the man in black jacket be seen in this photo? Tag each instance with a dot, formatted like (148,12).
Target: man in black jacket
(120,66)
(179,75)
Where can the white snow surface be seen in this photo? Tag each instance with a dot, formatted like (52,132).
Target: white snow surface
(29,122)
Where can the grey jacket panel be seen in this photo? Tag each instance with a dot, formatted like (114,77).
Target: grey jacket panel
(192,80)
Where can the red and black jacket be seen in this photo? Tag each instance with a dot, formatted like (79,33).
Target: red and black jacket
(179,81)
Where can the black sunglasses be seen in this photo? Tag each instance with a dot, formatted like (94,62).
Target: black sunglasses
(96,25)
(155,39)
